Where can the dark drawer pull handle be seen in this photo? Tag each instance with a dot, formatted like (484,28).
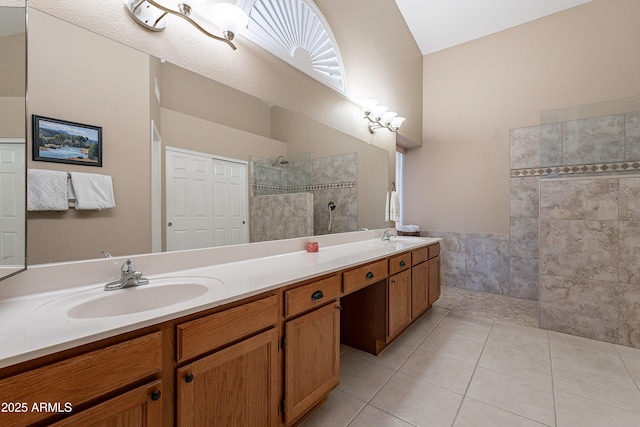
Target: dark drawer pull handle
(402,263)
(317,295)
(369,275)
(156,395)
(188,378)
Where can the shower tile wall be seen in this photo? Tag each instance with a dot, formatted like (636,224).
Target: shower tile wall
(333,179)
(589,252)
(281,216)
(477,261)
(589,226)
(325,179)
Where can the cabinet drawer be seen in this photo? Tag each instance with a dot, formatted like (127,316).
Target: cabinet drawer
(308,296)
(399,263)
(434,250)
(363,276)
(419,255)
(141,407)
(210,332)
(82,378)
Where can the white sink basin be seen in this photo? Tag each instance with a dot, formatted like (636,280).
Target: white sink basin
(159,293)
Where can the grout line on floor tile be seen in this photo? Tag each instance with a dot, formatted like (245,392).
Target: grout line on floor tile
(505,410)
(637,383)
(356,415)
(381,410)
(466,390)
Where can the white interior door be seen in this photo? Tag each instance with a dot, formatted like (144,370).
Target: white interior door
(230,206)
(206,200)
(12,203)
(189,200)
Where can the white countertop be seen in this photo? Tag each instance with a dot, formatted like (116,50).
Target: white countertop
(31,326)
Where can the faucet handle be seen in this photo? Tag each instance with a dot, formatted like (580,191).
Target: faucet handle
(128,267)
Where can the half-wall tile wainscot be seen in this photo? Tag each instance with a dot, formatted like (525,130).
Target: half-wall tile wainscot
(575,206)
(495,263)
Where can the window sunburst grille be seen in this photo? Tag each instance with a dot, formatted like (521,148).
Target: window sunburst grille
(296,32)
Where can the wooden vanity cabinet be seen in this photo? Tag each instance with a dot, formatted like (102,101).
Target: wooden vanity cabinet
(419,289)
(89,388)
(237,380)
(434,276)
(399,302)
(425,279)
(139,407)
(399,294)
(236,386)
(311,345)
(374,314)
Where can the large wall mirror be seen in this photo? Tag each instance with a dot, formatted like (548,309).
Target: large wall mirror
(12,136)
(154,117)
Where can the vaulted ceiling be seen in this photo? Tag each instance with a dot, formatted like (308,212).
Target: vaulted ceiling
(440,24)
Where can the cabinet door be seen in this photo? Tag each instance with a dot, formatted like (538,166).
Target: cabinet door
(236,386)
(141,407)
(434,279)
(399,300)
(419,289)
(312,359)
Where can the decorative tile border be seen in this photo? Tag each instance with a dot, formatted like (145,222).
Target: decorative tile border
(595,168)
(304,188)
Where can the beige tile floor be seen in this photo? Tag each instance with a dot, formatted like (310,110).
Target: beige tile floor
(470,364)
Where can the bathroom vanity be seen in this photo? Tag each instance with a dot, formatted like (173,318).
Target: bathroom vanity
(265,354)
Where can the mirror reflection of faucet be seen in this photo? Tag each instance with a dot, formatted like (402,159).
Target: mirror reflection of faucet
(387,234)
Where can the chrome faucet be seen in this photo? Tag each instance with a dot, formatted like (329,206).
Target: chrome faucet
(387,235)
(129,277)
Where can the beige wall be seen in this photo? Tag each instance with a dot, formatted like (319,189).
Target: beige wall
(12,86)
(62,85)
(207,99)
(192,133)
(13,64)
(474,93)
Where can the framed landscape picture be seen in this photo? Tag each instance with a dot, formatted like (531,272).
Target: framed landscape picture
(66,142)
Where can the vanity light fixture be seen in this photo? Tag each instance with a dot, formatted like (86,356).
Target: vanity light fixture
(229,18)
(379,117)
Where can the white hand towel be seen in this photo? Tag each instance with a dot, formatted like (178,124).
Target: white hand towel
(46,190)
(386,208)
(394,207)
(92,191)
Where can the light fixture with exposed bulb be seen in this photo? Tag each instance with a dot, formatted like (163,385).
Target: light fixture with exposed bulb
(150,14)
(379,116)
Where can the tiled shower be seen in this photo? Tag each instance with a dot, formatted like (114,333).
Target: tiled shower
(291,199)
(575,201)
(574,239)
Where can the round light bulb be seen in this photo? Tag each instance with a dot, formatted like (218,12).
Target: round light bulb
(397,122)
(229,18)
(388,117)
(378,111)
(368,104)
